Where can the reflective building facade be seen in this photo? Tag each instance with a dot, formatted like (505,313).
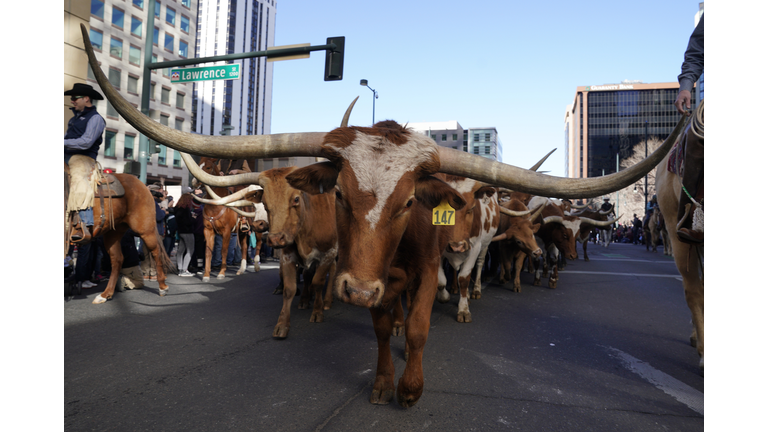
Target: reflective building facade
(604,122)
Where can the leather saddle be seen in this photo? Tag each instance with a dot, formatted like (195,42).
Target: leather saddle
(110,187)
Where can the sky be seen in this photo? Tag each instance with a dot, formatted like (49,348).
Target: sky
(505,64)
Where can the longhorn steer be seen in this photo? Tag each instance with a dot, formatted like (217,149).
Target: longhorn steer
(385,195)
(516,241)
(303,226)
(586,229)
(475,226)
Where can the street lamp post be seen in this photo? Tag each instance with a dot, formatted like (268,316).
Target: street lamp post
(364,82)
(646,156)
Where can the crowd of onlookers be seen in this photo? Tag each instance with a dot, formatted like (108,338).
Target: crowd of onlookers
(180,226)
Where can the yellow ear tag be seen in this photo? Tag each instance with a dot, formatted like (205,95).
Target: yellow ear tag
(443,214)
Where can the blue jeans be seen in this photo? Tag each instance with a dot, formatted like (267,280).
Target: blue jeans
(216,255)
(233,251)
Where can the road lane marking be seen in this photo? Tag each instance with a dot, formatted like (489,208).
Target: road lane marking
(682,392)
(621,274)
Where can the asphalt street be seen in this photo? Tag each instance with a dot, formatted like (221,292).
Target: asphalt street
(607,350)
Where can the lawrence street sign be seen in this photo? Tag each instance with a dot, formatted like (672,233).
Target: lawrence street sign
(208,73)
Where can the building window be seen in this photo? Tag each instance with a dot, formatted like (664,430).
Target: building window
(434,137)
(154,60)
(165,96)
(157,9)
(168,45)
(118,16)
(111,111)
(455,137)
(184,24)
(176,160)
(156,37)
(135,26)
(109,143)
(179,123)
(183,49)
(162,155)
(186,3)
(116,47)
(152,91)
(128,147)
(97,9)
(97,39)
(487,136)
(134,55)
(133,84)
(114,77)
(170,16)
(444,137)
(139,4)
(179,101)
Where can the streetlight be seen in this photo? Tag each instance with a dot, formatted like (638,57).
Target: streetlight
(364,82)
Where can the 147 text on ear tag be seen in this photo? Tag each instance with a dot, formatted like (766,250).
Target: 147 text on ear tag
(443,214)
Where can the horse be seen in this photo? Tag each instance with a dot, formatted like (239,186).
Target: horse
(688,258)
(222,220)
(113,216)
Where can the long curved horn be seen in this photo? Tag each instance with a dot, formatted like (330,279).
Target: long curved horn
(219,181)
(514,213)
(227,147)
(499,237)
(597,222)
(552,219)
(539,163)
(345,120)
(237,196)
(538,211)
(476,167)
(581,206)
(244,213)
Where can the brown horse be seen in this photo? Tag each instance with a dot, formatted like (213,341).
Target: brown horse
(134,210)
(222,220)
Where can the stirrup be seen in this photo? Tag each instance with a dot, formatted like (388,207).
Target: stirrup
(77,239)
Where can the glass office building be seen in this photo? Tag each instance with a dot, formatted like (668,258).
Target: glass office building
(605,122)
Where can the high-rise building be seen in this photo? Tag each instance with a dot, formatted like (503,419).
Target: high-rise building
(118,31)
(480,141)
(604,122)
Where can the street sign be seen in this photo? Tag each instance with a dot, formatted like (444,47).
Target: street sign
(208,73)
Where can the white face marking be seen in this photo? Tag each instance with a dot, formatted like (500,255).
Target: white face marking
(379,164)
(261,213)
(463,186)
(573,226)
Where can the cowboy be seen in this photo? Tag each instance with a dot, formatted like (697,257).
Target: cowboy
(693,166)
(81,146)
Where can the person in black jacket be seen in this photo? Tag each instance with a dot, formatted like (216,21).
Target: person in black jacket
(185,225)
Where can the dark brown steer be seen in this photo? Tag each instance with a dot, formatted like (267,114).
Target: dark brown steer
(516,240)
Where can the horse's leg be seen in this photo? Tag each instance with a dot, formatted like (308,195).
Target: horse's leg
(155,246)
(257,254)
(225,238)
(243,237)
(112,244)
(210,237)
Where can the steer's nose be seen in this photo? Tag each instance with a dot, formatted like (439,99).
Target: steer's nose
(458,247)
(276,240)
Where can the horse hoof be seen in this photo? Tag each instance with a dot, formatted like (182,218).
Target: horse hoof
(99,299)
(238,273)
(206,279)
(163,292)
(220,276)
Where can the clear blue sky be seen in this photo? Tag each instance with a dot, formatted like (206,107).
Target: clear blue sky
(509,64)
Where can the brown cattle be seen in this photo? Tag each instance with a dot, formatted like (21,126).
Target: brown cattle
(385,197)
(586,229)
(516,237)
(475,226)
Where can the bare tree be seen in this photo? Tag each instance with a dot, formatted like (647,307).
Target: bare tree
(631,200)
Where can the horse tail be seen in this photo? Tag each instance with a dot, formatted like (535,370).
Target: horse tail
(168,265)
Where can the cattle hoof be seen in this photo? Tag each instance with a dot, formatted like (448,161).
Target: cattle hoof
(280,332)
(552,284)
(256,267)
(586,258)
(516,288)
(206,278)
(99,299)
(398,330)
(317,317)
(476,295)
(163,292)
(537,282)
(442,295)
(406,400)
(464,317)
(220,276)
(381,397)
(239,272)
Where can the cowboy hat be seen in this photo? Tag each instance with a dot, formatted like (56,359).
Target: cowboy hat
(80,89)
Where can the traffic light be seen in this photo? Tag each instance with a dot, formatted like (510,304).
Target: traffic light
(132,167)
(334,59)
(154,147)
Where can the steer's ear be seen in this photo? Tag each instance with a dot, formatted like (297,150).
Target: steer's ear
(314,179)
(432,191)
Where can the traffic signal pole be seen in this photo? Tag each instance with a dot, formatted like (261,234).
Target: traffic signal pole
(334,66)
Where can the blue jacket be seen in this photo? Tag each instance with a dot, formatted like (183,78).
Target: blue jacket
(76,128)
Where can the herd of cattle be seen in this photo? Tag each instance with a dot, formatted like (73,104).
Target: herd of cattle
(382,210)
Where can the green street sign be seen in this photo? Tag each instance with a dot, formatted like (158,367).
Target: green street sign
(208,73)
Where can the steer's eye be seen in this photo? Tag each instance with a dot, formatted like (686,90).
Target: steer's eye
(338,195)
(409,203)
(296,200)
